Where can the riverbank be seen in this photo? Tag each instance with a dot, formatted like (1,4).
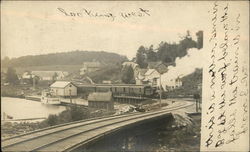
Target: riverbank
(11,91)
(72,113)
(18,91)
(179,132)
(183,138)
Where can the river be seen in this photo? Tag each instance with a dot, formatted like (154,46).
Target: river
(26,109)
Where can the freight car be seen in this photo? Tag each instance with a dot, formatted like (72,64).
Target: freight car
(128,90)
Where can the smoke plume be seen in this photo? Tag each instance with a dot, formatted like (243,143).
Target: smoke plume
(184,66)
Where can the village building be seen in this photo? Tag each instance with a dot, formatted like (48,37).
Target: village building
(63,89)
(50,75)
(152,77)
(139,76)
(153,65)
(101,100)
(27,75)
(90,67)
(173,84)
(132,64)
(147,76)
(28,78)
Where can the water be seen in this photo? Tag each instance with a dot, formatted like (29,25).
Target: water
(27,109)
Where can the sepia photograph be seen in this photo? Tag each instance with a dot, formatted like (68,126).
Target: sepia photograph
(100,76)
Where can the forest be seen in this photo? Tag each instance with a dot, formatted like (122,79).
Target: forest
(167,52)
(65,58)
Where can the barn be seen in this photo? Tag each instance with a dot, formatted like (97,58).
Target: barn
(101,100)
(63,88)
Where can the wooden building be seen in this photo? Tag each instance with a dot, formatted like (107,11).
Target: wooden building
(101,100)
(63,88)
(50,75)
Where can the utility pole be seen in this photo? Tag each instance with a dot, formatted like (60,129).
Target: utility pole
(160,90)
(70,96)
(161,69)
(34,83)
(196,98)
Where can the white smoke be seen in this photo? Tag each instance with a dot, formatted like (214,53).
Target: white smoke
(184,66)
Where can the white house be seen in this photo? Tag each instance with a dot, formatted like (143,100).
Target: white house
(129,63)
(172,83)
(27,75)
(152,77)
(63,88)
(50,75)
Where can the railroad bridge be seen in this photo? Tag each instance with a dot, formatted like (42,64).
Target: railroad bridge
(70,136)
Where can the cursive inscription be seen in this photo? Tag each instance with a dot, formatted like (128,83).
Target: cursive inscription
(84,12)
(226,113)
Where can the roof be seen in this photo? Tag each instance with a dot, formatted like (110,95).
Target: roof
(153,65)
(113,85)
(142,71)
(159,66)
(150,71)
(100,96)
(132,64)
(60,84)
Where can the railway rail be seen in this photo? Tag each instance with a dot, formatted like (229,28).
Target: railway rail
(69,136)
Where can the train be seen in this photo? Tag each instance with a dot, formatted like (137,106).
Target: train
(129,90)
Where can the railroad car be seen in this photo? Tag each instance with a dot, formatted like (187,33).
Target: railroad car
(120,89)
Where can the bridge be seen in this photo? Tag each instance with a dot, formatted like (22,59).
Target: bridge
(69,136)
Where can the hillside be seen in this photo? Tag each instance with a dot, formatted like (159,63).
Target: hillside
(66,58)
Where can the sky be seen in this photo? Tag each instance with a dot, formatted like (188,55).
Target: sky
(32,28)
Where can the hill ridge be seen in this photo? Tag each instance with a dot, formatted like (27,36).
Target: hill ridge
(64,58)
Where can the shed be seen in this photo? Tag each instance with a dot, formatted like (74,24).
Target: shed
(63,88)
(101,100)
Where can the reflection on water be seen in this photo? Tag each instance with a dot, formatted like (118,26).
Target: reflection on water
(26,109)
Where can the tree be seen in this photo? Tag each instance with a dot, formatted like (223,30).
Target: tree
(11,76)
(5,62)
(185,44)
(54,77)
(141,57)
(151,55)
(199,35)
(52,120)
(128,75)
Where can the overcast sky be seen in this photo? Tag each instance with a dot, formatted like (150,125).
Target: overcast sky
(31,28)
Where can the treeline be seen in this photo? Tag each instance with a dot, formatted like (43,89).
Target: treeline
(168,52)
(66,58)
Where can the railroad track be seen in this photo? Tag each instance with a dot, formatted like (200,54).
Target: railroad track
(69,136)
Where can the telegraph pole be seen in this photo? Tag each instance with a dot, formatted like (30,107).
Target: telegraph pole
(34,83)
(160,90)
(70,96)
(161,70)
